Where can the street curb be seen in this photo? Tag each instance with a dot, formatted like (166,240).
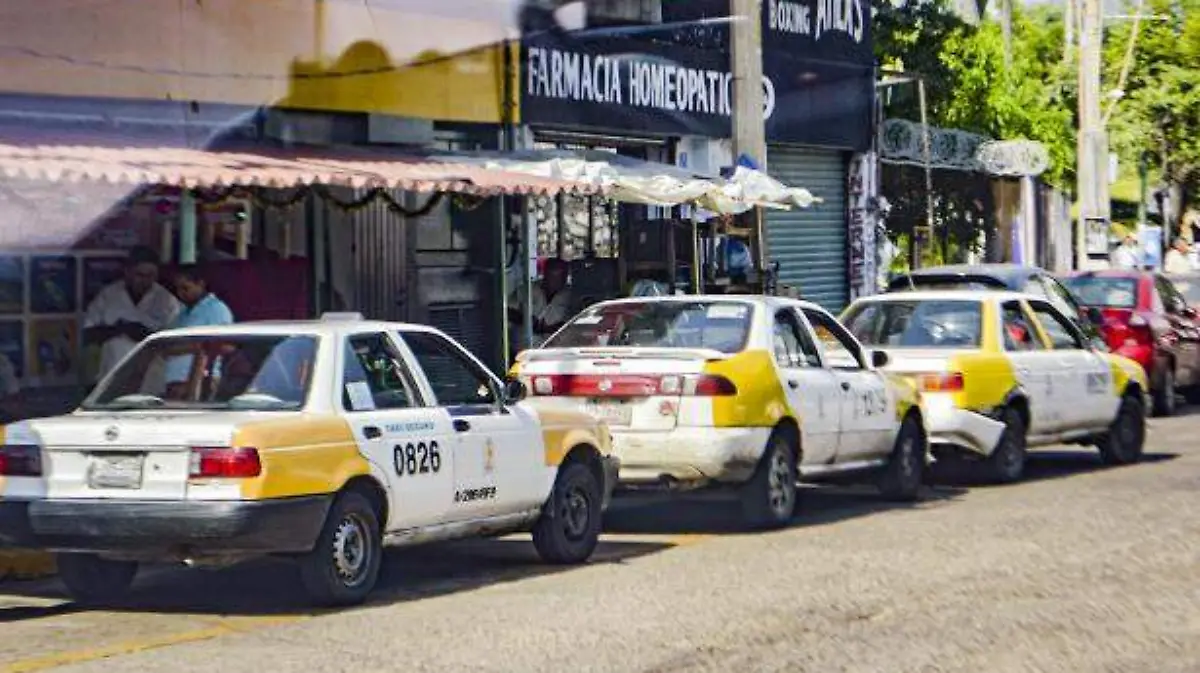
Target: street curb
(25,564)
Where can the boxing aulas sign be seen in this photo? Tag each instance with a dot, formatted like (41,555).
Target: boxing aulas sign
(817,84)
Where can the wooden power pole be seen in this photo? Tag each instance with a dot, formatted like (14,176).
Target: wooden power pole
(749,127)
(1092,162)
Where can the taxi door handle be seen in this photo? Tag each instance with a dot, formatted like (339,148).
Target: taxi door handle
(461,426)
(372,432)
(792,383)
(845,385)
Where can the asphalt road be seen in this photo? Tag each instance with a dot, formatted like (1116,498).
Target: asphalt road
(1079,568)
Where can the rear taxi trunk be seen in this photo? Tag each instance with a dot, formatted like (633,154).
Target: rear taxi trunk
(139,456)
(631,389)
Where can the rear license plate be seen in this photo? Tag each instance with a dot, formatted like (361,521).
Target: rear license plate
(116,470)
(613,413)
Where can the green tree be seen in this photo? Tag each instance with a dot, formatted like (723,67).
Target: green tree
(1159,114)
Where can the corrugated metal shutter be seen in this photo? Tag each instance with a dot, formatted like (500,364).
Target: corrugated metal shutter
(462,322)
(810,244)
(379,261)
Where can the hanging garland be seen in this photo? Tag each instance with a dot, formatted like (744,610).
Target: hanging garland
(259,197)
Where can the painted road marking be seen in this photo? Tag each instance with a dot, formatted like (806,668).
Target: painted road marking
(222,628)
(239,625)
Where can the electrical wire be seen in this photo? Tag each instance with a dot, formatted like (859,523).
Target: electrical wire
(1127,62)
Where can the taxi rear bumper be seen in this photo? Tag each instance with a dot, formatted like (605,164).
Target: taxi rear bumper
(688,456)
(970,430)
(167,529)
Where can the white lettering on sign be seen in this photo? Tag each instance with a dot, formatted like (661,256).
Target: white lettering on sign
(833,16)
(789,17)
(553,73)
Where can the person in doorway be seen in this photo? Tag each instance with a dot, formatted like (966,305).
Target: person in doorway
(201,308)
(1127,255)
(128,310)
(550,302)
(1176,259)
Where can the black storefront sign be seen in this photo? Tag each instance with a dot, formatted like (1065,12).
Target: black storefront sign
(817,66)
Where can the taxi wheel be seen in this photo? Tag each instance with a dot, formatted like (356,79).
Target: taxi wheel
(905,470)
(343,567)
(1164,395)
(1007,463)
(569,528)
(1125,439)
(769,498)
(90,579)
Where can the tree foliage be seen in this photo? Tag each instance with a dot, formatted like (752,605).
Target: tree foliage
(1159,114)
(968,85)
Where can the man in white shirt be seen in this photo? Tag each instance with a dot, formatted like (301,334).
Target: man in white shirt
(1176,259)
(550,302)
(129,310)
(1127,255)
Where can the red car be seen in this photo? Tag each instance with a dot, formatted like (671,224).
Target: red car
(1147,319)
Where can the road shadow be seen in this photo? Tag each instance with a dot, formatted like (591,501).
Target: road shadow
(719,513)
(1040,465)
(271,587)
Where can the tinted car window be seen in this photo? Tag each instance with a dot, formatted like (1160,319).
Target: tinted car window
(916,324)
(1104,291)
(719,325)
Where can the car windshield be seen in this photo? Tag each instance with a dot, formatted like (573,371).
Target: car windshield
(1104,291)
(719,325)
(916,324)
(228,371)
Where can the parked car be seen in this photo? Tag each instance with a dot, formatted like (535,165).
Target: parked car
(742,392)
(317,440)
(1188,285)
(1013,277)
(1000,372)
(1148,320)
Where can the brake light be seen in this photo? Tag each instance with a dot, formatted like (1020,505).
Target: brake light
(20,460)
(710,385)
(224,463)
(630,385)
(940,383)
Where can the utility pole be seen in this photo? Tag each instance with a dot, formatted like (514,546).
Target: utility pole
(749,127)
(1091,171)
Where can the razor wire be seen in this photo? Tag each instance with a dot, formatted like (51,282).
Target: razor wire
(902,142)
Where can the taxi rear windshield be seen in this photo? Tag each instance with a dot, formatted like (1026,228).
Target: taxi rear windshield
(1102,291)
(236,372)
(917,324)
(718,325)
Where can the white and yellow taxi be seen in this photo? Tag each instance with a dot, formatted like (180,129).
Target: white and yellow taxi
(320,440)
(745,391)
(1000,372)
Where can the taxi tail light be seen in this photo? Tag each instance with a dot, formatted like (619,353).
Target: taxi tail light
(224,463)
(600,385)
(940,383)
(20,460)
(709,385)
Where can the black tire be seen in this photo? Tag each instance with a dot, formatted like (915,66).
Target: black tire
(1164,395)
(568,530)
(1125,440)
(93,580)
(769,498)
(901,479)
(1006,464)
(343,567)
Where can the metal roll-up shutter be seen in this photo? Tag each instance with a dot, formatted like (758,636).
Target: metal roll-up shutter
(810,243)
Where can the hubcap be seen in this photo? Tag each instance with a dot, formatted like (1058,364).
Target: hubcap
(575,512)
(351,550)
(908,458)
(780,485)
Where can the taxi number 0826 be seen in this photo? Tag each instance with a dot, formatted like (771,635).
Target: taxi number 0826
(418,458)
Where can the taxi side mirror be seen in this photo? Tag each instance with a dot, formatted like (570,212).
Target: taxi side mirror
(514,391)
(879,359)
(1096,316)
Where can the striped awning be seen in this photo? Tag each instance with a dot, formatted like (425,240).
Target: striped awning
(132,162)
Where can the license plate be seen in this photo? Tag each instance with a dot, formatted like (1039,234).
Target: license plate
(116,471)
(613,413)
